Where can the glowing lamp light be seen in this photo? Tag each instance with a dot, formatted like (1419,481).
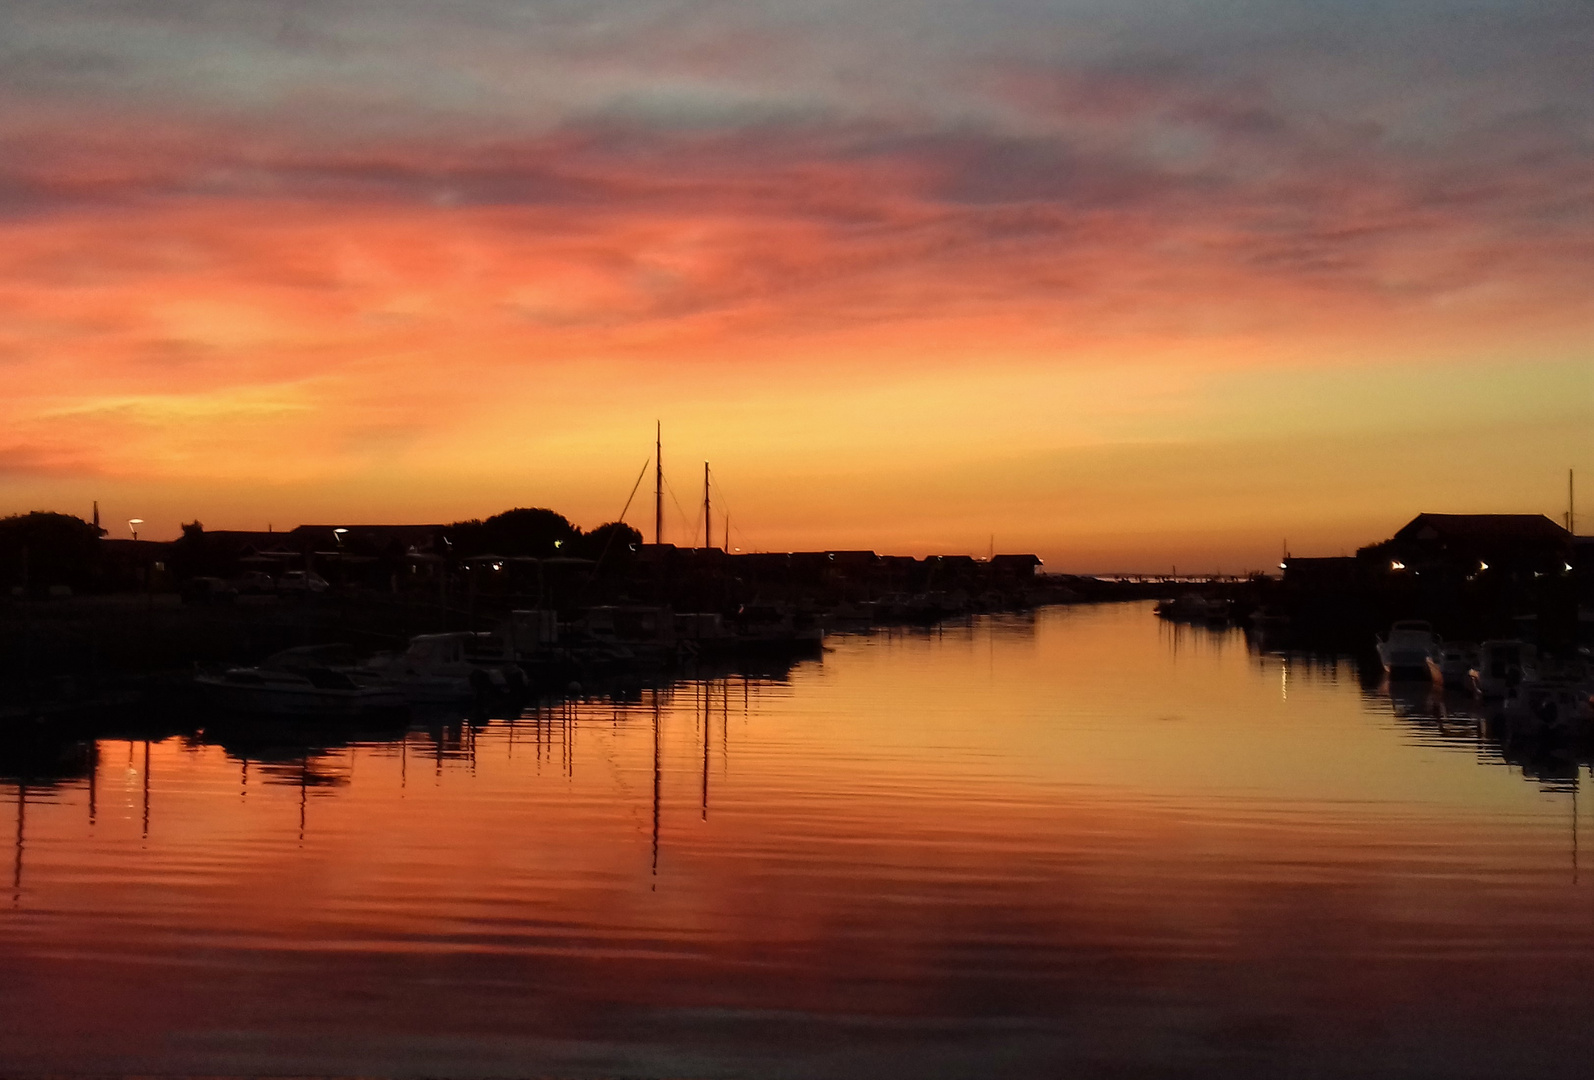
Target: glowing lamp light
(1283,567)
(1567,566)
(558,543)
(133,524)
(1396,564)
(1482,566)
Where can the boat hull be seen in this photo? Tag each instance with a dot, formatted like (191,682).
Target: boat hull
(1410,665)
(287,700)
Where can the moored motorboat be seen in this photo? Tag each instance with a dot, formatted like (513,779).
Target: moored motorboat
(1551,703)
(1456,661)
(1270,619)
(446,668)
(1188,607)
(1410,651)
(314,680)
(770,628)
(1502,667)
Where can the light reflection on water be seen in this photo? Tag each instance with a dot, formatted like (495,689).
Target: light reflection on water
(1084,841)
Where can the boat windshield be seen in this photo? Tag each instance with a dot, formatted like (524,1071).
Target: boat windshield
(311,656)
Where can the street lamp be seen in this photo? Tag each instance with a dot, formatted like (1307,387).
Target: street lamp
(337,534)
(133,524)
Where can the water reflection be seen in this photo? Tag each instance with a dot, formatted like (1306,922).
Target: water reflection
(1548,755)
(1552,756)
(1042,846)
(22,819)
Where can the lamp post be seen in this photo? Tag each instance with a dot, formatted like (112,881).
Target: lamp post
(337,534)
(133,524)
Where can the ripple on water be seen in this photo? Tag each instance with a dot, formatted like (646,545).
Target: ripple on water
(1055,844)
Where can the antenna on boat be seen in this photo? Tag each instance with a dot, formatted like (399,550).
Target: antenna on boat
(658,483)
(1571,518)
(708,530)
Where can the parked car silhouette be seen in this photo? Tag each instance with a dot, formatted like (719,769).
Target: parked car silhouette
(207,590)
(254,582)
(302,581)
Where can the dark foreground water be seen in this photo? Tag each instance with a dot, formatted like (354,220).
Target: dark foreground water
(1082,844)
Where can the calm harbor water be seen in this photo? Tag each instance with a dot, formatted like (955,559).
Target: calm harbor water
(1084,842)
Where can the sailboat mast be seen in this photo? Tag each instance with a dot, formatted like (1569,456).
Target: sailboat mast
(708,528)
(658,483)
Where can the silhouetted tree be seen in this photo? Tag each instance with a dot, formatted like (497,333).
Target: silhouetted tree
(42,549)
(521,531)
(191,554)
(614,542)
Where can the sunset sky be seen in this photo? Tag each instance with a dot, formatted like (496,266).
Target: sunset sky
(1123,283)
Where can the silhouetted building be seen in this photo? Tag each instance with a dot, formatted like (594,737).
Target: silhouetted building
(1018,567)
(1468,544)
(1323,574)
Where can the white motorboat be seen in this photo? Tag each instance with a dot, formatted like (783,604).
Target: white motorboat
(1502,667)
(1456,661)
(778,628)
(1188,607)
(1410,651)
(1551,704)
(315,680)
(1270,619)
(444,668)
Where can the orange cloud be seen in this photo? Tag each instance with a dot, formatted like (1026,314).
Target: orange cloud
(418,312)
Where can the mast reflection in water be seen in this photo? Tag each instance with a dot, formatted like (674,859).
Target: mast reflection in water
(1082,842)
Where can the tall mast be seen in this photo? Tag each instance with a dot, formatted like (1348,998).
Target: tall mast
(708,530)
(658,482)
(1571,507)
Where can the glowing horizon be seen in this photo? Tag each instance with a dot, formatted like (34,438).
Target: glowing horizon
(1122,285)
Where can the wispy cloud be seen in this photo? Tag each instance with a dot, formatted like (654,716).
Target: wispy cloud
(400,203)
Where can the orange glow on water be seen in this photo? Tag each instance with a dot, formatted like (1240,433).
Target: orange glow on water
(963,825)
